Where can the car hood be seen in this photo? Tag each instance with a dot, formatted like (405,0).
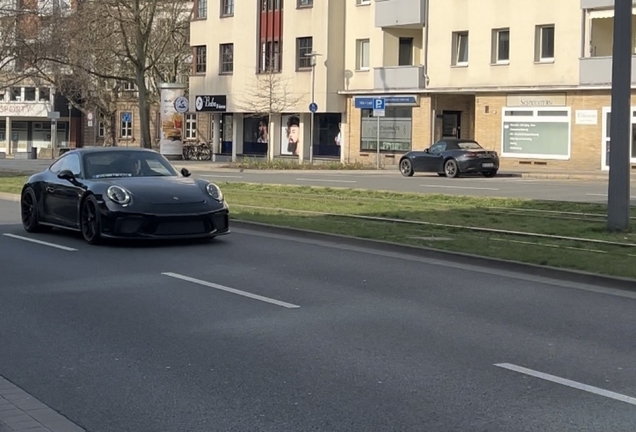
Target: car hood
(162,190)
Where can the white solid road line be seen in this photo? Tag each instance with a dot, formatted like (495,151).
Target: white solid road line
(458,187)
(569,383)
(53,245)
(231,290)
(327,180)
(220,176)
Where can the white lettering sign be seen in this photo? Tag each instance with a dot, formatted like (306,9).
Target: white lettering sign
(586,117)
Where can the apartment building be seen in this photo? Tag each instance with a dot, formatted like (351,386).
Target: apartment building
(531,81)
(266,76)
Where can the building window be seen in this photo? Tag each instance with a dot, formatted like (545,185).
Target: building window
(544,43)
(227,8)
(271,5)
(227,58)
(500,46)
(362,54)
(305,3)
(536,133)
(395,130)
(101,126)
(191,126)
(460,49)
(16,94)
(270,56)
(129,86)
(363,2)
(202,9)
(304,46)
(29,94)
(200,54)
(126,125)
(44,95)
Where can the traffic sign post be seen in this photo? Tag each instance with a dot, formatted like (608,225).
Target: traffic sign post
(379,105)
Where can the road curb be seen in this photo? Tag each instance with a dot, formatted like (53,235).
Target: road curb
(576,276)
(9,197)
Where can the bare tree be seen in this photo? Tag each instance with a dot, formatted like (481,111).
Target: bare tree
(105,43)
(270,94)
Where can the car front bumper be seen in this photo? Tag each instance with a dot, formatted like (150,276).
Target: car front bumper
(133,225)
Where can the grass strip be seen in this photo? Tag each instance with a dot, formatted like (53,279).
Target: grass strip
(284,206)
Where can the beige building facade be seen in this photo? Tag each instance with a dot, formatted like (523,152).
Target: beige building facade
(532,84)
(266,77)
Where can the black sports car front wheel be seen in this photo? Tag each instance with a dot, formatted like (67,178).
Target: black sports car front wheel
(90,222)
(29,213)
(406,167)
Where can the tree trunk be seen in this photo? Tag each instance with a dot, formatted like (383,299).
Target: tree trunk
(144,111)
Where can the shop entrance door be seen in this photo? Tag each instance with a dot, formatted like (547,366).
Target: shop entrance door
(451,124)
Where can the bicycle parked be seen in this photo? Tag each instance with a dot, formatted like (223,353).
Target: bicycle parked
(196,151)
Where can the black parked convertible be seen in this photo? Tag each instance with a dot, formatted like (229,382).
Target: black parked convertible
(113,192)
(450,158)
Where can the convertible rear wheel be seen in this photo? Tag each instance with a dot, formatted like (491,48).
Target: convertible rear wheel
(90,222)
(29,213)
(451,169)
(406,168)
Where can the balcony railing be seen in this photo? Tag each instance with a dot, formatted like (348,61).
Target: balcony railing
(598,70)
(400,13)
(399,77)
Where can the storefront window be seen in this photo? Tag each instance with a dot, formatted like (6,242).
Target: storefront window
(255,135)
(606,137)
(539,133)
(395,130)
(227,132)
(326,131)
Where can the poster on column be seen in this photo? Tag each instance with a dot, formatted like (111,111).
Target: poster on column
(290,135)
(171,140)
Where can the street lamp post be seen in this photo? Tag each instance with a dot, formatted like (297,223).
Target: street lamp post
(618,201)
(312,56)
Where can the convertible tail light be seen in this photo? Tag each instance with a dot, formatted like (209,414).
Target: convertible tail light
(472,155)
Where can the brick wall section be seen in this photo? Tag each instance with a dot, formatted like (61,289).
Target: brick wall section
(586,140)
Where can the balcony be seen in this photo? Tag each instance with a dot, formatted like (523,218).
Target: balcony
(595,68)
(400,13)
(598,70)
(399,78)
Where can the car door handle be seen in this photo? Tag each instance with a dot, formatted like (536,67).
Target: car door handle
(50,189)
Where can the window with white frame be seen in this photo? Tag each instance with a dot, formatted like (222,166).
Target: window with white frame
(126,125)
(536,133)
(101,126)
(460,48)
(607,122)
(362,54)
(500,46)
(191,126)
(305,3)
(363,2)
(544,43)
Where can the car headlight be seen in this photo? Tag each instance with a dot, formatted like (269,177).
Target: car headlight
(118,195)
(214,192)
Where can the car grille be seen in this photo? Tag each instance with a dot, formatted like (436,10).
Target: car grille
(181,228)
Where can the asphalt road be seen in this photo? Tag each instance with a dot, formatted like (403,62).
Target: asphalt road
(341,338)
(501,186)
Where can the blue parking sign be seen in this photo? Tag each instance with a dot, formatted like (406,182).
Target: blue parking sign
(126,117)
(379,103)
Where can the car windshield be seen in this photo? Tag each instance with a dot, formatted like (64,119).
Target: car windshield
(469,145)
(114,164)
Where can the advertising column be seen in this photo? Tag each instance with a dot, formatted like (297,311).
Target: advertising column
(172,121)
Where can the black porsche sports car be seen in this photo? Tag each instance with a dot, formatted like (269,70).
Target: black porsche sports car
(114,192)
(451,158)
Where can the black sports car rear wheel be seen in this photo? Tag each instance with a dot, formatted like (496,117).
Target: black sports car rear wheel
(451,169)
(406,168)
(89,221)
(29,213)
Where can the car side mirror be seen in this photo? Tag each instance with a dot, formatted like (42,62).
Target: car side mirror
(428,150)
(66,175)
(185,172)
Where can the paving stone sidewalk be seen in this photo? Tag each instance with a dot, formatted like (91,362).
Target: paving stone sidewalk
(21,412)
